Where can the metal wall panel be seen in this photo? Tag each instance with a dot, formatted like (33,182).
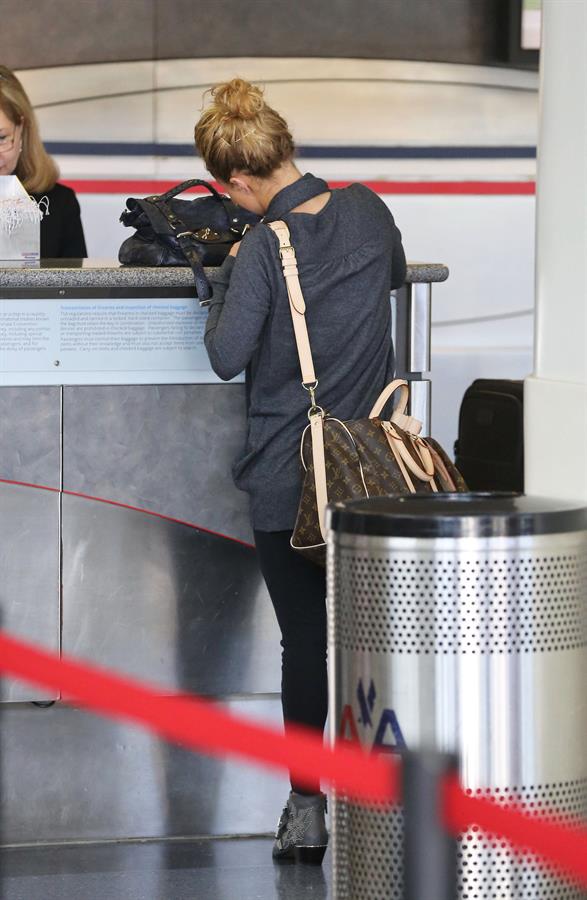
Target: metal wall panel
(143,595)
(29,576)
(165,602)
(167,448)
(69,775)
(30,424)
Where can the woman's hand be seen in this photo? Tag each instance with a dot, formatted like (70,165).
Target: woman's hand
(234,249)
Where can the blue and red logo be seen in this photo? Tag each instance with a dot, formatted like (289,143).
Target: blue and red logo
(388,737)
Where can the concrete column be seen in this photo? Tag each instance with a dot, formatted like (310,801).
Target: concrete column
(556,393)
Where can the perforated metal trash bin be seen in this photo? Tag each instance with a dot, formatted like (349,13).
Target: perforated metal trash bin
(460,622)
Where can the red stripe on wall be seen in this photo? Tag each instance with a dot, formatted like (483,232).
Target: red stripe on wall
(142,187)
(139,509)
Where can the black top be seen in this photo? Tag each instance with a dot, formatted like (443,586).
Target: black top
(457,516)
(349,256)
(62,234)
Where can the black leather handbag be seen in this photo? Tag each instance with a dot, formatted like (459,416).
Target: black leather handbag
(171,232)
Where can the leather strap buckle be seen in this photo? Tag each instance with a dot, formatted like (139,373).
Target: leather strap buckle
(311,388)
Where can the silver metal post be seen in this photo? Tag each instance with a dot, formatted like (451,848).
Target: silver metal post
(430,852)
(419,360)
(411,316)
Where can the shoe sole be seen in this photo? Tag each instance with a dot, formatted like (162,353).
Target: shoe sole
(312,856)
(307,855)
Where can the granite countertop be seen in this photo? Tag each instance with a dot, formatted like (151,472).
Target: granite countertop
(63,273)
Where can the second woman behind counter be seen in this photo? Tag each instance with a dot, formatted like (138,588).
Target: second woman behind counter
(22,154)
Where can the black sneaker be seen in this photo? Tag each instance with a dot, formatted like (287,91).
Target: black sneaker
(301,831)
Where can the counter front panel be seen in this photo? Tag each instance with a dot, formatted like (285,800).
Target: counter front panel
(103,336)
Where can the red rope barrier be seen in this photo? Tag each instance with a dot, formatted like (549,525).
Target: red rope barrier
(200,725)
(564,847)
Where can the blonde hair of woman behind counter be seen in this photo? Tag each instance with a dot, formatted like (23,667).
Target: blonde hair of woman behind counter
(34,168)
(239,132)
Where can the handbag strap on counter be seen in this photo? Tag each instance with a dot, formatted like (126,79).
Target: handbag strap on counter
(185,237)
(187,242)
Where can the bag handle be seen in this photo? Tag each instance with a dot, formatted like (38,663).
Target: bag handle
(399,461)
(184,186)
(165,221)
(425,470)
(229,207)
(398,417)
(187,243)
(387,392)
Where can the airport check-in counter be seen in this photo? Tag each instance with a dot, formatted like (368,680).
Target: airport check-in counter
(124,542)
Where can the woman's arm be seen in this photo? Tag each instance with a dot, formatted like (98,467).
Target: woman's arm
(239,307)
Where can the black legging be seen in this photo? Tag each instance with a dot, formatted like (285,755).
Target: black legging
(298,592)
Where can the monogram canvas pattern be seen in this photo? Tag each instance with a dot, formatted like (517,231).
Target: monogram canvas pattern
(360,463)
(362,458)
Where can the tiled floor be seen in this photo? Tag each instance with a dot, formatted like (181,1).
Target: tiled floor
(202,870)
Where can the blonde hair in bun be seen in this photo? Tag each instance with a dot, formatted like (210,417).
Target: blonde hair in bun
(239,132)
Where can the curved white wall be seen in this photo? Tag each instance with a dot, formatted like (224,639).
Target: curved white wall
(556,394)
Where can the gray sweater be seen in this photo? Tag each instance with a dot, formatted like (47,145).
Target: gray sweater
(350,257)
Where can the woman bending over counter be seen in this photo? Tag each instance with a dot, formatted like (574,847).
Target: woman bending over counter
(350,255)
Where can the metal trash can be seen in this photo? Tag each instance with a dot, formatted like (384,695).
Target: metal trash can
(459,622)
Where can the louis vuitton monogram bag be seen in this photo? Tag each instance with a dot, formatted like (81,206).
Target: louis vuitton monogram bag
(362,458)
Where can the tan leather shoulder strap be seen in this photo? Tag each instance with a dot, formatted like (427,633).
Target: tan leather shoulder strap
(297,308)
(297,304)
(319,460)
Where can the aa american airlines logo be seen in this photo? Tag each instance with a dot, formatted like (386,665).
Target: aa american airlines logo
(385,729)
